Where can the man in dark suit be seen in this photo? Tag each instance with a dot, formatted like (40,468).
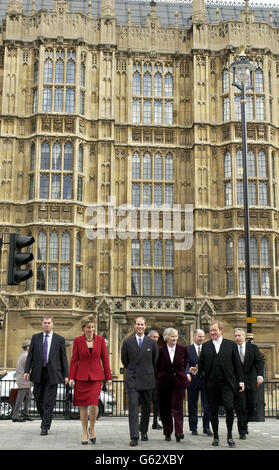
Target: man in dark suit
(220,367)
(253,369)
(139,355)
(46,366)
(196,387)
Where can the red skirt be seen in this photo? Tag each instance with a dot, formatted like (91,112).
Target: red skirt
(87,393)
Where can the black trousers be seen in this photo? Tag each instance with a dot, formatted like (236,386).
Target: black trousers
(219,392)
(137,397)
(193,398)
(45,397)
(245,407)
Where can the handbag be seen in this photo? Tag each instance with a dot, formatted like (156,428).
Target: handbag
(13,395)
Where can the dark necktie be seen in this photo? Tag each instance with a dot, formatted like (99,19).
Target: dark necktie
(140,342)
(199,351)
(241,353)
(45,345)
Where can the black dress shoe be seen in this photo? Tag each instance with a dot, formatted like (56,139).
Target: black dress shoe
(167,438)
(18,420)
(179,437)
(144,437)
(195,432)
(44,432)
(93,440)
(133,442)
(242,436)
(231,442)
(27,418)
(215,442)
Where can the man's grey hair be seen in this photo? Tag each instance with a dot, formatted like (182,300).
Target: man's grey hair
(240,329)
(152,332)
(197,331)
(169,331)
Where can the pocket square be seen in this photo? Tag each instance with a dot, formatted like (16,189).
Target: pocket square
(148,349)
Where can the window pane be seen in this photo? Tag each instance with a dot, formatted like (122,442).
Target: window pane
(135,253)
(59,71)
(264,252)
(41,277)
(47,99)
(230,282)
(229,252)
(55,186)
(44,182)
(31,187)
(78,279)
(158,194)
(48,67)
(58,100)
(169,167)
(169,194)
(158,253)
(82,74)
(255,282)
(237,108)
(146,283)
(78,248)
(147,111)
(169,253)
(70,71)
(80,158)
(259,80)
(70,100)
(41,253)
(136,195)
(157,112)
(239,192)
(67,187)
(136,83)
(82,102)
(136,111)
(265,282)
(147,167)
(169,284)
(226,109)
(253,251)
(168,112)
(251,167)
(147,194)
(262,165)
(158,84)
(35,100)
(227,165)
(146,247)
(263,194)
(252,193)
(65,247)
(53,246)
(225,81)
(52,278)
(241,250)
(135,283)
(168,85)
(56,157)
(242,282)
(45,153)
(80,189)
(158,168)
(228,194)
(136,166)
(158,286)
(147,84)
(65,278)
(68,156)
(260,108)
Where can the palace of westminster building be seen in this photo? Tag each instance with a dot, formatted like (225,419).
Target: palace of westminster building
(121,154)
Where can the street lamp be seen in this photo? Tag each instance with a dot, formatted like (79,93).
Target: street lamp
(242,70)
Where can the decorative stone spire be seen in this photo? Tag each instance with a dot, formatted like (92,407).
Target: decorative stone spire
(247,6)
(107,8)
(198,12)
(15,5)
(33,6)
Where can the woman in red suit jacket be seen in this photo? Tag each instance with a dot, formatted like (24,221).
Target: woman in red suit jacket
(172,382)
(89,366)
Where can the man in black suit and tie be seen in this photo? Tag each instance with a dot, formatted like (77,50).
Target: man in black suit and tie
(46,366)
(139,355)
(253,369)
(196,387)
(220,367)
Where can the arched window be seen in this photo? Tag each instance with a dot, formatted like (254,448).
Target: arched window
(48,69)
(45,156)
(42,246)
(68,156)
(53,246)
(169,167)
(70,74)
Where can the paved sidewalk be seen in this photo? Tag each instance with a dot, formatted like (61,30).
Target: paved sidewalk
(113,434)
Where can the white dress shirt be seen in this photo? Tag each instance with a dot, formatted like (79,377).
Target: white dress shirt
(197,346)
(171,352)
(217,343)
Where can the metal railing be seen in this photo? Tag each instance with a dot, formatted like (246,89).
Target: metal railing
(114,401)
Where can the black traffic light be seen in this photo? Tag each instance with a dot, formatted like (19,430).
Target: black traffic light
(17,259)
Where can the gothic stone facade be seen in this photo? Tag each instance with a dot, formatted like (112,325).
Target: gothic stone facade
(98,113)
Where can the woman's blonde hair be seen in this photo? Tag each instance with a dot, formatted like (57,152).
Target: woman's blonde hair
(86,320)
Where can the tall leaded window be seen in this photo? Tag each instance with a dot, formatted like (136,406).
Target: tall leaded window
(257,170)
(56,170)
(152,267)
(59,81)
(152,179)
(152,87)
(54,267)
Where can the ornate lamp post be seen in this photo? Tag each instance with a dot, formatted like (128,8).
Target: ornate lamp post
(242,70)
